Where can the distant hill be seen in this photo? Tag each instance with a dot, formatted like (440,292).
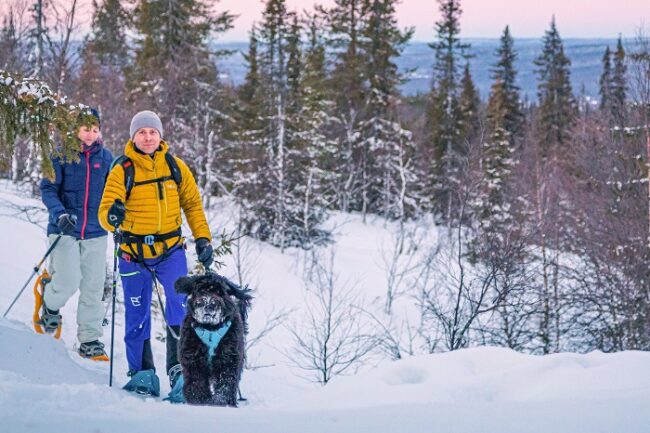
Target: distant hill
(585,56)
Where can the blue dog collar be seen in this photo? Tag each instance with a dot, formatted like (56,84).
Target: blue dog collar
(212,338)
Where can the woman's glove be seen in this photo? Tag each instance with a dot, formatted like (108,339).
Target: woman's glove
(67,224)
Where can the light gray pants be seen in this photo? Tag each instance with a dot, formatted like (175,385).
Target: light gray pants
(79,264)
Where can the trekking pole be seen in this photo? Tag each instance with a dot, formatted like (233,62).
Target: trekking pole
(116,241)
(35,271)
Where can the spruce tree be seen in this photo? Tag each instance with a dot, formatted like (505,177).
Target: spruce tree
(312,151)
(443,114)
(504,106)
(108,40)
(605,83)
(557,116)
(348,82)
(39,37)
(388,149)
(619,86)
(276,212)
(504,121)
(556,101)
(294,66)
(12,47)
(469,104)
(247,152)
(101,83)
(174,70)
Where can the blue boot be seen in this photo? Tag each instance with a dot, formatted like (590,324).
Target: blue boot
(176,382)
(144,382)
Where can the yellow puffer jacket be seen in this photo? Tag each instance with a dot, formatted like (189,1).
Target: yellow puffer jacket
(146,212)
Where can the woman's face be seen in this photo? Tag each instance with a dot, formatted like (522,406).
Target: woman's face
(88,134)
(147,140)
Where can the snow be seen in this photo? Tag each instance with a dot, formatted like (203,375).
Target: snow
(46,386)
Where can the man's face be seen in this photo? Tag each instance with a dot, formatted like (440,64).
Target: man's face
(147,140)
(88,134)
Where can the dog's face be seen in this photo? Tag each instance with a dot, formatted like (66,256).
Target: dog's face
(209,308)
(211,300)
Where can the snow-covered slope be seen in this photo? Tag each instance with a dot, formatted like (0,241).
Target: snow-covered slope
(46,386)
(43,388)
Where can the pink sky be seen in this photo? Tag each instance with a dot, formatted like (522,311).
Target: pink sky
(487,18)
(481,18)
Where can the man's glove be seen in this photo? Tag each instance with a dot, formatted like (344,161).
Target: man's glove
(204,252)
(67,224)
(116,213)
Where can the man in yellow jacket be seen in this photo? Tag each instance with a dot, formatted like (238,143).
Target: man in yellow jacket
(143,198)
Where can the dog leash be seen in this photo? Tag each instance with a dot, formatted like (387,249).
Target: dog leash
(162,307)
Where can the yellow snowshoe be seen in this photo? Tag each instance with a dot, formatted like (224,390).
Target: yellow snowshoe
(44,320)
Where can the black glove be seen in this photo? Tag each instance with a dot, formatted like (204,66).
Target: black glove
(116,213)
(204,251)
(67,224)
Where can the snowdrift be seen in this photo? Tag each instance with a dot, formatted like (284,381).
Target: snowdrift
(45,386)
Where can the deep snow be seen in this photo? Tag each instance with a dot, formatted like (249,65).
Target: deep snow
(46,386)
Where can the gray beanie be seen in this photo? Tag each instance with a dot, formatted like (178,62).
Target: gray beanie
(145,119)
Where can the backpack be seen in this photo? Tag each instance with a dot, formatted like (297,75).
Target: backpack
(129,173)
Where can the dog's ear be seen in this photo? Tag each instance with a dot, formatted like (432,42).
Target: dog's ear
(243,298)
(184,285)
(242,295)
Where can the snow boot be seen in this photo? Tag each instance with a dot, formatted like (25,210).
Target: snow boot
(49,321)
(93,350)
(144,382)
(176,383)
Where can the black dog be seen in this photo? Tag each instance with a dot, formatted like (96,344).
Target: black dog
(212,340)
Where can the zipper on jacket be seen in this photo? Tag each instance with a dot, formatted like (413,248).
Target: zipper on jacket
(158,201)
(85,221)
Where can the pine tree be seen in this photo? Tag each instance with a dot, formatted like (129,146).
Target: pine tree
(556,101)
(443,113)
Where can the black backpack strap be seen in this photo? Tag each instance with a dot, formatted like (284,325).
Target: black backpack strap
(174,169)
(129,172)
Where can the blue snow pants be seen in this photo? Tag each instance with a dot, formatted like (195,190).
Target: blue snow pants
(137,282)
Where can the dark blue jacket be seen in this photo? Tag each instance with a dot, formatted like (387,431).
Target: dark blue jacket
(77,190)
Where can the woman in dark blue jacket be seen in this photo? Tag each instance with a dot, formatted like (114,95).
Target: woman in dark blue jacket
(79,259)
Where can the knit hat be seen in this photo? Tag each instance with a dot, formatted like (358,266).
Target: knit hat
(89,116)
(145,119)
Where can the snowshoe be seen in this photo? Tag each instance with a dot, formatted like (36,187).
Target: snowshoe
(176,383)
(144,382)
(93,350)
(49,321)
